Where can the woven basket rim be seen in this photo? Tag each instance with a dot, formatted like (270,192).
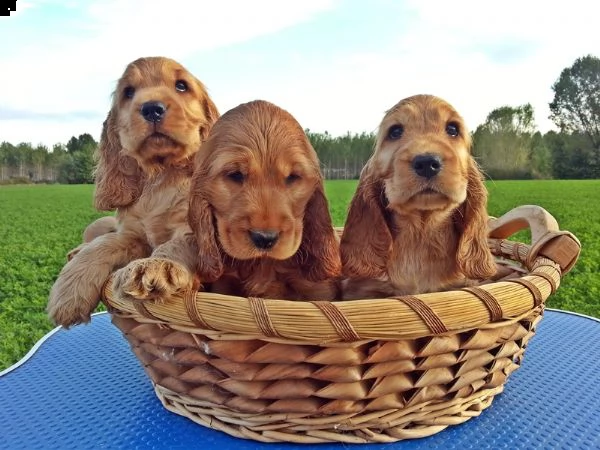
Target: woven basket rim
(541,265)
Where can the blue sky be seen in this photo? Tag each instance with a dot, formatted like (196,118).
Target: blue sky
(336,65)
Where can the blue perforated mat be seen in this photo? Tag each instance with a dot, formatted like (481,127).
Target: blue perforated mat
(83,388)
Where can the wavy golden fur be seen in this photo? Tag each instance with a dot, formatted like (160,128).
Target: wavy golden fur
(260,220)
(418,220)
(160,114)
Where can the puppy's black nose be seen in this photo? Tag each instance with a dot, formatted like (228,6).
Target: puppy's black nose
(427,166)
(264,239)
(153,112)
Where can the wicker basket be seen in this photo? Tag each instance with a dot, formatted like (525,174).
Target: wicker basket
(377,370)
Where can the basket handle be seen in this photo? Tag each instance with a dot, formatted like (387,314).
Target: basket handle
(547,239)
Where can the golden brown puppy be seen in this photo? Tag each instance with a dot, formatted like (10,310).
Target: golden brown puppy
(160,115)
(260,220)
(418,220)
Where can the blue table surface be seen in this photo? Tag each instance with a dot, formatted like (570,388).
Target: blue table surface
(84,388)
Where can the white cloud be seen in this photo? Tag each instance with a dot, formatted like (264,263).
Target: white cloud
(63,72)
(477,55)
(484,55)
(179,28)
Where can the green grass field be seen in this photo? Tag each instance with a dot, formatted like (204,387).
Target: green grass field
(40,224)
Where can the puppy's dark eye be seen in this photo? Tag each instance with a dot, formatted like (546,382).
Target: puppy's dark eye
(291,178)
(452,129)
(395,132)
(237,176)
(181,86)
(129,92)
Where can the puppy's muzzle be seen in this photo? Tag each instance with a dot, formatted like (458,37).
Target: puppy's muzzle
(264,239)
(427,165)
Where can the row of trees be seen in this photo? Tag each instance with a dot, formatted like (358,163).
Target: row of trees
(507,145)
(72,163)
(342,157)
(506,153)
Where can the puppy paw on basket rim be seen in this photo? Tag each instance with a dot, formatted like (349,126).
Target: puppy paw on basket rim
(360,371)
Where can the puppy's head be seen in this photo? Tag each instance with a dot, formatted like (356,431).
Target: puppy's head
(159,116)
(422,165)
(422,155)
(257,191)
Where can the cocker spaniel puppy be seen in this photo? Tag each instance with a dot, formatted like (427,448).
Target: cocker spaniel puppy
(418,220)
(160,115)
(260,219)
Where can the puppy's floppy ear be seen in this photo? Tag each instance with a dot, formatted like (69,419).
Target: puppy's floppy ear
(202,222)
(118,177)
(319,253)
(366,240)
(211,113)
(474,257)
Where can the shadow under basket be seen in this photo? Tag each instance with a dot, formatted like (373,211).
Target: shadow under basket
(373,370)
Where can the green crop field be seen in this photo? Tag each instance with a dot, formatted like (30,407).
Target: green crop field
(40,224)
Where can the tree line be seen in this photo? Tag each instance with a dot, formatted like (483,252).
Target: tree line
(72,163)
(507,145)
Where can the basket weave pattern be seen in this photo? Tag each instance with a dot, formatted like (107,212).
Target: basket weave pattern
(377,370)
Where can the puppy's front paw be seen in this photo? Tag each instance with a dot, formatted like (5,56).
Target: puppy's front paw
(152,279)
(72,301)
(66,311)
